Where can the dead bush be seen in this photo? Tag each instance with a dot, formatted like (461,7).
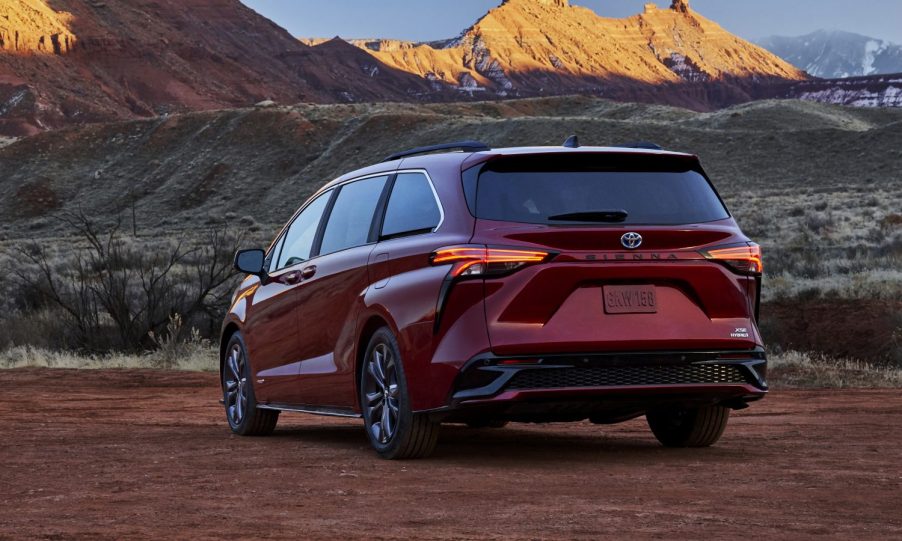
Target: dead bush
(111,291)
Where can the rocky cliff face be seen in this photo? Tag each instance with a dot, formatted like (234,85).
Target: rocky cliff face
(76,61)
(31,26)
(68,62)
(536,47)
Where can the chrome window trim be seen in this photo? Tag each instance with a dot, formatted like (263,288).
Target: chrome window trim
(330,186)
(438,200)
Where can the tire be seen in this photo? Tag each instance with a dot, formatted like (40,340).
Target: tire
(698,427)
(489,423)
(394,431)
(248,419)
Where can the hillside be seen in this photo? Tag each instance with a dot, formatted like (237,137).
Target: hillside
(263,162)
(818,186)
(79,61)
(546,47)
(833,54)
(869,91)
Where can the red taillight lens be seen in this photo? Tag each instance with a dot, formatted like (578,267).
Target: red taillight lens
(481,260)
(745,259)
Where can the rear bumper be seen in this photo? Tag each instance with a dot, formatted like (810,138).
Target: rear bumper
(580,386)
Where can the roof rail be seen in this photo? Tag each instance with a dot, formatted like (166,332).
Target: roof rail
(466,146)
(641,144)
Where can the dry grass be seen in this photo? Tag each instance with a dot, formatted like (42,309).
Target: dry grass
(793,370)
(198,359)
(789,370)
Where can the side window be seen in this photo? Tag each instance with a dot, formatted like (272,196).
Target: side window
(412,207)
(299,239)
(352,216)
(273,261)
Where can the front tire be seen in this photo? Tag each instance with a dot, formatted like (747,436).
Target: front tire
(394,430)
(242,413)
(696,427)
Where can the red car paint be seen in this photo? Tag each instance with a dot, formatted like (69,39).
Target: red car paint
(307,326)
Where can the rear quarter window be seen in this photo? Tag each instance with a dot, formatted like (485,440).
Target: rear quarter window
(412,207)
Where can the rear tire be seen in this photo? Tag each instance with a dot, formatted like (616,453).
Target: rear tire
(242,413)
(697,427)
(394,431)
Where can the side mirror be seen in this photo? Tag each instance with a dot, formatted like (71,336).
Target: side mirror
(250,261)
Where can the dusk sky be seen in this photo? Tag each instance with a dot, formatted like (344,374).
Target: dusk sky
(422,20)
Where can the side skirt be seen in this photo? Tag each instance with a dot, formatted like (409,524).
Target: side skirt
(314,410)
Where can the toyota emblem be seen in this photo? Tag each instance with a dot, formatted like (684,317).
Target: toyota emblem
(631,241)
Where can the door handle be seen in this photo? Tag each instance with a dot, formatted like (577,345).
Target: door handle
(308,272)
(291,278)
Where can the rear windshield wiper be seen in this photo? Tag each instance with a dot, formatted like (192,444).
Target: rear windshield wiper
(609,216)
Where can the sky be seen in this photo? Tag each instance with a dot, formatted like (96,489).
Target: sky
(424,20)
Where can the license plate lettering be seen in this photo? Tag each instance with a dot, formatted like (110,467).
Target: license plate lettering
(630,299)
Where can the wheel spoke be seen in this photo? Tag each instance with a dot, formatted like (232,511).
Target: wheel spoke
(374,372)
(386,424)
(239,406)
(379,361)
(373,399)
(393,406)
(233,365)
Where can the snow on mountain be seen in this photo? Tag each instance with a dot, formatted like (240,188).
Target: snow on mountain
(833,54)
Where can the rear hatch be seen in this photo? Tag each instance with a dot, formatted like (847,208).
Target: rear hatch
(642,255)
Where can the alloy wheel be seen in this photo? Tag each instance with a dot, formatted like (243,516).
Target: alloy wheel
(235,385)
(382,394)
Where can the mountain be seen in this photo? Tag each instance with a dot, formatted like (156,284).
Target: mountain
(78,61)
(65,62)
(869,91)
(543,47)
(832,54)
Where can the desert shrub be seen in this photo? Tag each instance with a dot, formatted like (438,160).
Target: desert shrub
(194,359)
(810,370)
(819,223)
(174,344)
(109,291)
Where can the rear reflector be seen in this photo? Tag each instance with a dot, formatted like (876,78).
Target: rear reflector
(508,362)
(481,260)
(745,259)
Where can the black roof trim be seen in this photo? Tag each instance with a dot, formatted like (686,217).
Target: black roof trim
(466,146)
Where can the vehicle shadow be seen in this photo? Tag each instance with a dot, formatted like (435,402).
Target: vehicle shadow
(519,443)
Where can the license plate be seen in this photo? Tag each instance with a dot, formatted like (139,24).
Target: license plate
(630,300)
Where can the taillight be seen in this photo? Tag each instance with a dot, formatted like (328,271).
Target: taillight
(745,259)
(484,261)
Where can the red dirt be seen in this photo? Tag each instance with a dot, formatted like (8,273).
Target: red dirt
(126,454)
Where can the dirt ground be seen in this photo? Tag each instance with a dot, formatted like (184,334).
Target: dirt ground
(137,454)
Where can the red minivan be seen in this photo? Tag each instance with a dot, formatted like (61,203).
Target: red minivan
(460,283)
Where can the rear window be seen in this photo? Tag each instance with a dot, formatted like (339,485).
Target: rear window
(622,189)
